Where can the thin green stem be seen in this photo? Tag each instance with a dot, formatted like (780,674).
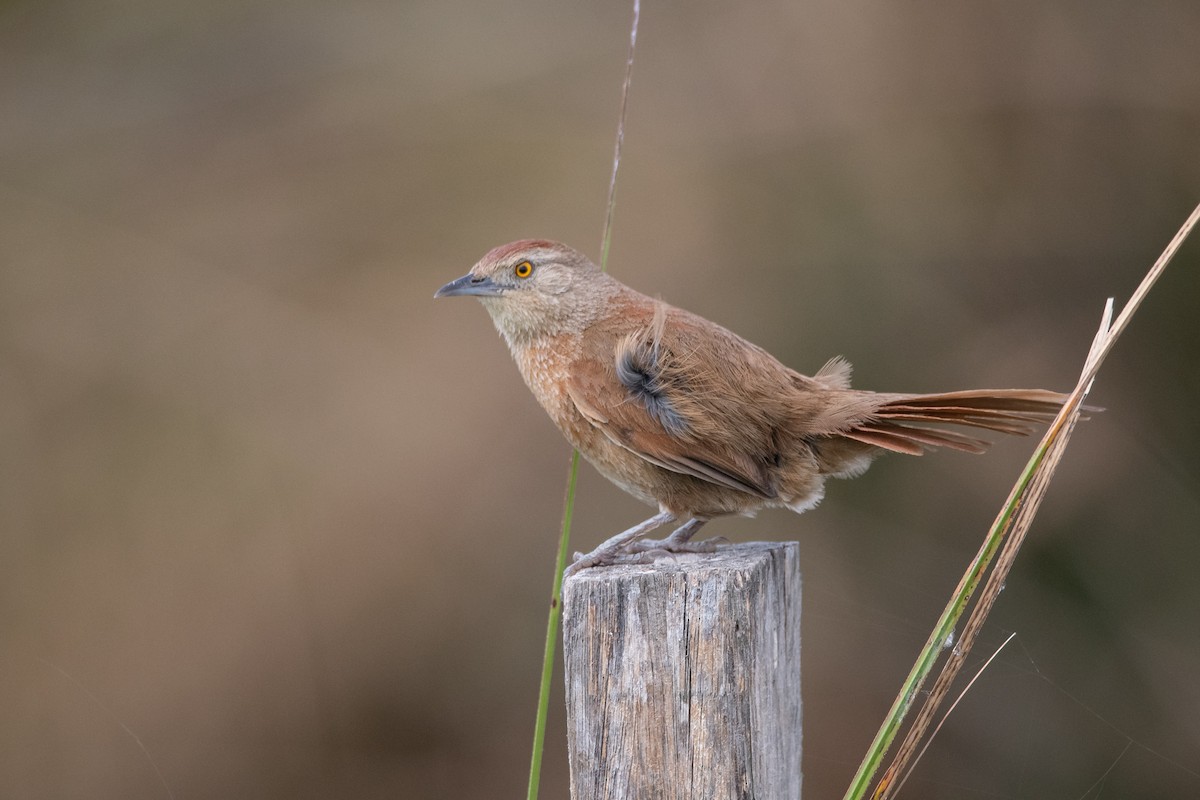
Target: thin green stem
(539,728)
(560,564)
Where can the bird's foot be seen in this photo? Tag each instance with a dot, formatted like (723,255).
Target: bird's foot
(600,557)
(631,550)
(671,546)
(607,552)
(645,551)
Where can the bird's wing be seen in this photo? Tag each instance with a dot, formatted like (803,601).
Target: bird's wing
(633,427)
(646,395)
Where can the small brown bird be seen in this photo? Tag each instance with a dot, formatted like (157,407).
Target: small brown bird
(692,418)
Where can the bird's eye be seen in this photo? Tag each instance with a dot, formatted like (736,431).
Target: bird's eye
(523,270)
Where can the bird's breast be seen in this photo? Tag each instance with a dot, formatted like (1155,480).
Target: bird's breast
(545,364)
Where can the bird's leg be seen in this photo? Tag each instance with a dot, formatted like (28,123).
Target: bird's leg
(607,552)
(680,540)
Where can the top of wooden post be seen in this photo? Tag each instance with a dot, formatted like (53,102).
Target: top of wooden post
(683,676)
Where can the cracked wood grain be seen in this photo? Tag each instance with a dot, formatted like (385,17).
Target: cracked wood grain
(683,677)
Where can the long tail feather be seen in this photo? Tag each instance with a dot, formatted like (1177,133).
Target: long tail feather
(900,424)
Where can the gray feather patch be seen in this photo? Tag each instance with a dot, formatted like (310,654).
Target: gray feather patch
(638,371)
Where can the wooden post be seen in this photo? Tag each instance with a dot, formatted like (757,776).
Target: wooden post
(683,677)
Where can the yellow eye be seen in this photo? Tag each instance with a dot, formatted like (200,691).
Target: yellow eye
(523,270)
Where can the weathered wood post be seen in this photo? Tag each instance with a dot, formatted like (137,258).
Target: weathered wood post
(683,677)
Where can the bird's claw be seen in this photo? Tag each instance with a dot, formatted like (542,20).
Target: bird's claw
(601,557)
(642,551)
(669,547)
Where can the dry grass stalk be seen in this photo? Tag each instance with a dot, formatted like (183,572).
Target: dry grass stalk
(1002,543)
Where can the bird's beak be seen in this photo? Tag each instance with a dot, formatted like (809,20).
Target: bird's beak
(469,284)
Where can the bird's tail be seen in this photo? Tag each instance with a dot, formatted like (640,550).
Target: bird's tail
(907,423)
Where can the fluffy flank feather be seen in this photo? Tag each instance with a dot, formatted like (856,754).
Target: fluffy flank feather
(835,374)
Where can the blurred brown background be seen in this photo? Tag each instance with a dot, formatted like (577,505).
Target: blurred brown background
(272,513)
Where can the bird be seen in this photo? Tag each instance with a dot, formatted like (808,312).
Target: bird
(691,418)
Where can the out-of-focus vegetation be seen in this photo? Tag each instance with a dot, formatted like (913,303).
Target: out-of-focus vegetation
(268,506)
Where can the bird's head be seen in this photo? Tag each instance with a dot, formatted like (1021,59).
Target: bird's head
(533,288)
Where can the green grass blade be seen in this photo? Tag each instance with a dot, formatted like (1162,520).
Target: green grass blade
(946,625)
(560,564)
(1021,503)
(539,728)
